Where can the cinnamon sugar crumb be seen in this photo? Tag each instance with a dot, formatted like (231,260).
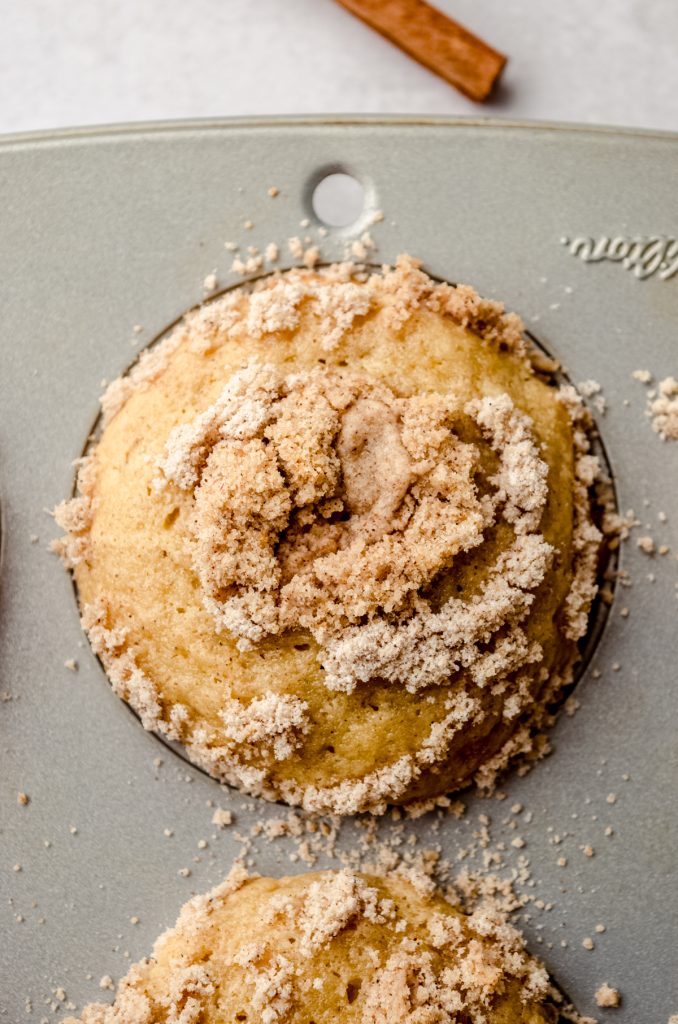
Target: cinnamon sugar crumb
(271,253)
(663,410)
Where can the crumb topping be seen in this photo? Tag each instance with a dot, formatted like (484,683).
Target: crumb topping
(324,502)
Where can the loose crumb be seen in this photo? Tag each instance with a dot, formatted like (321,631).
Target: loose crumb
(663,410)
(271,253)
(23,799)
(606,996)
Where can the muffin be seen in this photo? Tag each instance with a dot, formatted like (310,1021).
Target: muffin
(336,538)
(331,948)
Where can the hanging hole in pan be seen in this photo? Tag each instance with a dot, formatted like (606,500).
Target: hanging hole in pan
(338,199)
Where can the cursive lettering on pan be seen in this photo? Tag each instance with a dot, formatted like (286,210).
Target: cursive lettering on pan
(643,255)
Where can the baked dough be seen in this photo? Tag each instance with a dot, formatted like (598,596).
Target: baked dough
(336,538)
(331,948)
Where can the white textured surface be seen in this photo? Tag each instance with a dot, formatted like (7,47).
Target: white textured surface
(93,61)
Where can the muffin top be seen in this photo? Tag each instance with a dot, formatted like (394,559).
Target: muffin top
(332,948)
(336,537)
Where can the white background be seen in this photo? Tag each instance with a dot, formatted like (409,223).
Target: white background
(71,62)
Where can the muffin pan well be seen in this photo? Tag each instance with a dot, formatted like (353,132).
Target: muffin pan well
(102,230)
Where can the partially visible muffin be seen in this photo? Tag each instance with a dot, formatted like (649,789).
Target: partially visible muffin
(331,948)
(336,538)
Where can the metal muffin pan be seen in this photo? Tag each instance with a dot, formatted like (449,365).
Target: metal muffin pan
(104,229)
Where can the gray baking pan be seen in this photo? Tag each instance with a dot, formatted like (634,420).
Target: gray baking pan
(101,230)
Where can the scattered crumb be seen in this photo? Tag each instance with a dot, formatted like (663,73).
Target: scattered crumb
(23,799)
(311,256)
(588,943)
(663,410)
(606,996)
(107,982)
(184,872)
(222,818)
(210,282)
(588,851)
(273,191)
(71,664)
(646,545)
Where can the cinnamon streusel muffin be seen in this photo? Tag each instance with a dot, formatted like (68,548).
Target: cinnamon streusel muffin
(331,948)
(336,538)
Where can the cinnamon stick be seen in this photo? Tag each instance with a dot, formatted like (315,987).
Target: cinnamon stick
(435,40)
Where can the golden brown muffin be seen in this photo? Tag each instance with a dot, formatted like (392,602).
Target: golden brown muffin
(331,948)
(335,538)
